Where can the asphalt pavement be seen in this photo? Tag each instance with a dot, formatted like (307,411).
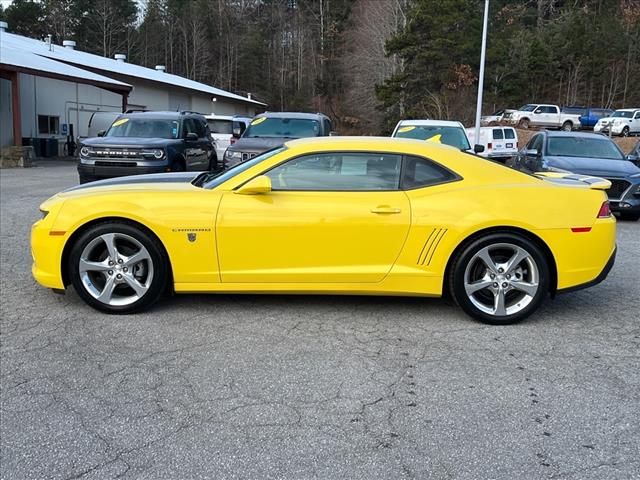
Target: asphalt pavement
(301,387)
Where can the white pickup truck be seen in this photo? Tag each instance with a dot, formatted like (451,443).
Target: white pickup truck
(541,115)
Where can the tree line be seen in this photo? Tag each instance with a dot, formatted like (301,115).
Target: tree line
(366,63)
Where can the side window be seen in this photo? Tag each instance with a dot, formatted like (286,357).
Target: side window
(539,110)
(637,115)
(189,126)
(550,109)
(497,134)
(327,126)
(509,133)
(535,143)
(201,128)
(339,171)
(420,172)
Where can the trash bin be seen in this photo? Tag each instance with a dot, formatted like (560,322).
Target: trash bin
(36,143)
(50,147)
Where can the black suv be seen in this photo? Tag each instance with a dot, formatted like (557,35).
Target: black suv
(148,142)
(272,129)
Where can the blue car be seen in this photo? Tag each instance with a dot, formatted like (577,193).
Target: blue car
(586,154)
(592,115)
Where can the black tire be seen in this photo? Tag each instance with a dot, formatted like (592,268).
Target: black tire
(86,178)
(524,123)
(625,132)
(466,255)
(631,217)
(159,267)
(567,126)
(178,165)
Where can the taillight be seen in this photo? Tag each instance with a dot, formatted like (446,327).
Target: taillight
(232,141)
(605,211)
(489,146)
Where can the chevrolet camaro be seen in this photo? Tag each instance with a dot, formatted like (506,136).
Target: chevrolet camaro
(340,215)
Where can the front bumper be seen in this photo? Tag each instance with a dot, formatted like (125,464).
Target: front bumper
(615,129)
(117,171)
(46,251)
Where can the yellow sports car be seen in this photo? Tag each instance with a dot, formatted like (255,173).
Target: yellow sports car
(345,215)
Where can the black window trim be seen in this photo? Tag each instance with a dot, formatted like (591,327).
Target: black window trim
(403,159)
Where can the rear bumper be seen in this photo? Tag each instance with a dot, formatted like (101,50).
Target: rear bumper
(603,274)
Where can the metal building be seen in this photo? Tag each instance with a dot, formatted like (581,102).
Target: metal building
(46,90)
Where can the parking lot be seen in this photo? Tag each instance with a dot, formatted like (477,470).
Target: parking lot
(297,387)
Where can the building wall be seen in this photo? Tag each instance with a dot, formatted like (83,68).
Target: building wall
(72,102)
(6,116)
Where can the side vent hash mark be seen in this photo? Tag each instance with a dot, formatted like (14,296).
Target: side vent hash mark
(430,246)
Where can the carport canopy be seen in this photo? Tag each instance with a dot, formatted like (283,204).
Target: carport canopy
(13,62)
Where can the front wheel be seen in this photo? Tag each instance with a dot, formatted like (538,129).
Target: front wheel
(116,267)
(524,123)
(500,278)
(625,132)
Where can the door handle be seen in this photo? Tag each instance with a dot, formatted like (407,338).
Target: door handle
(385,209)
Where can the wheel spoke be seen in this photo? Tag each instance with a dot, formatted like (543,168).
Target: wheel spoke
(519,255)
(472,288)
(107,291)
(488,261)
(135,285)
(89,266)
(109,240)
(137,258)
(498,303)
(528,288)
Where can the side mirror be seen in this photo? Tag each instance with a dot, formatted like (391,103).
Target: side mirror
(255,186)
(333,134)
(537,112)
(101,133)
(478,148)
(531,153)
(237,131)
(192,137)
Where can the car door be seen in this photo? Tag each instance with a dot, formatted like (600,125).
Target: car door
(195,153)
(206,144)
(532,154)
(635,124)
(497,141)
(330,218)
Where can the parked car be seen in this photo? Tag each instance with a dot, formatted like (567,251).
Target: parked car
(225,131)
(586,154)
(351,215)
(623,122)
(271,129)
(101,121)
(440,131)
(592,115)
(499,143)
(495,118)
(548,116)
(148,142)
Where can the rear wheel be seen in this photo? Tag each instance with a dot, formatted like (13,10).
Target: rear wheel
(178,165)
(567,126)
(500,278)
(117,267)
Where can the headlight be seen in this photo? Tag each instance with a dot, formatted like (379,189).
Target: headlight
(232,154)
(84,152)
(617,122)
(158,153)
(44,213)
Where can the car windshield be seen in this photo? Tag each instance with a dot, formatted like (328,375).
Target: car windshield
(211,180)
(144,128)
(271,127)
(453,136)
(584,147)
(221,126)
(527,108)
(622,114)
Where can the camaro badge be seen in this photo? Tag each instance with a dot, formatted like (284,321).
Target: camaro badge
(191,236)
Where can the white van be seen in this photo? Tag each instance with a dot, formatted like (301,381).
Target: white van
(498,142)
(225,129)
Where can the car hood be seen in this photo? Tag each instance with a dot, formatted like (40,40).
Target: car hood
(259,144)
(160,181)
(128,142)
(593,166)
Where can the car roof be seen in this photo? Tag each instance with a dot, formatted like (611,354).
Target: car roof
(295,115)
(598,136)
(213,116)
(430,123)
(166,114)
(627,109)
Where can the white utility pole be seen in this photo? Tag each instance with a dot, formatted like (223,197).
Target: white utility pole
(483,53)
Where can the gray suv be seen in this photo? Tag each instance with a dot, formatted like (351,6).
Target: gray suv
(272,129)
(148,142)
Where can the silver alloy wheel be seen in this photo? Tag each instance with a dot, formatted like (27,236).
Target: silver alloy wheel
(501,279)
(116,269)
